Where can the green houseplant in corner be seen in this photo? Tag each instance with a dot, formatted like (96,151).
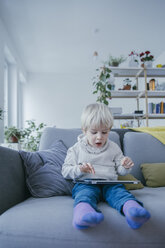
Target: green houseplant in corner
(30,136)
(102,84)
(12,134)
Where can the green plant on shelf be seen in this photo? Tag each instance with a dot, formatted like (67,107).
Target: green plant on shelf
(127,84)
(115,61)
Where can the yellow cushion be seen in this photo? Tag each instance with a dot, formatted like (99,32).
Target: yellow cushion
(154,174)
(131,186)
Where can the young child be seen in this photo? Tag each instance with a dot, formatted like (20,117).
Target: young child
(94,155)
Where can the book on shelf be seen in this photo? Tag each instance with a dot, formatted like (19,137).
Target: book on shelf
(152,108)
(156,108)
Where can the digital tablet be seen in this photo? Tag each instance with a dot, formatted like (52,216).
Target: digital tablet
(103,181)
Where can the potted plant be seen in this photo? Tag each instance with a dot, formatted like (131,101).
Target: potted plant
(115,61)
(30,136)
(127,84)
(146,59)
(12,134)
(102,84)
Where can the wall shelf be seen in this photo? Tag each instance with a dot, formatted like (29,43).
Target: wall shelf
(145,94)
(138,116)
(136,93)
(137,72)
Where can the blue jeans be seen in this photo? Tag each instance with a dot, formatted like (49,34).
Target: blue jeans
(115,195)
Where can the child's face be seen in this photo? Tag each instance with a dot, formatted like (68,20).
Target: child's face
(97,137)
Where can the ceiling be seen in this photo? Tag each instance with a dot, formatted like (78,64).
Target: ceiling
(54,36)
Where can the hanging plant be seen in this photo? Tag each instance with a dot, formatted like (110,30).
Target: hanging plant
(102,85)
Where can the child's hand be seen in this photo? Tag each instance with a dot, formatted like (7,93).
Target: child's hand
(87,168)
(127,163)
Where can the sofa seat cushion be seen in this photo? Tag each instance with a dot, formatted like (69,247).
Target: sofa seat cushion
(47,223)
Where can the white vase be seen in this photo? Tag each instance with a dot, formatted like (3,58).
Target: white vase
(133,62)
(148,64)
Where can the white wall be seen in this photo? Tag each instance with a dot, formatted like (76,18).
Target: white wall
(57,99)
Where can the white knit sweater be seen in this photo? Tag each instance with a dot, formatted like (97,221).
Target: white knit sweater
(105,160)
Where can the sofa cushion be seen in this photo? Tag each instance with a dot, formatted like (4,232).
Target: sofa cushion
(154,174)
(43,171)
(143,148)
(131,186)
(12,180)
(47,223)
(68,136)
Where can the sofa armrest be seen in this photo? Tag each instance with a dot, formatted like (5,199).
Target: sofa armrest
(12,179)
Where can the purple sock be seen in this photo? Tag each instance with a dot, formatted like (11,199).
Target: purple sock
(85,216)
(135,214)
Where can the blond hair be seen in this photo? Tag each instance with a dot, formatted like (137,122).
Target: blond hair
(96,115)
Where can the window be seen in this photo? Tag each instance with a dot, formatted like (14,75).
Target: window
(6,95)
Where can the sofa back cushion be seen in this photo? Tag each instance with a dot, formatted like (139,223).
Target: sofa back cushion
(43,171)
(143,148)
(43,168)
(68,136)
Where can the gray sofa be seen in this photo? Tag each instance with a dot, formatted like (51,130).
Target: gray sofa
(29,222)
